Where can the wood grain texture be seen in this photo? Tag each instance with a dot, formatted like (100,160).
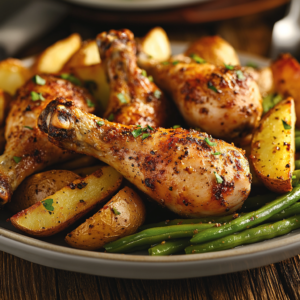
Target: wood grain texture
(20,279)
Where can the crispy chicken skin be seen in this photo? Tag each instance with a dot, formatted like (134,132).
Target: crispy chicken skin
(177,168)
(134,99)
(27,149)
(224,103)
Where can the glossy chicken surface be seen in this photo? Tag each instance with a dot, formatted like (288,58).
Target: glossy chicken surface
(225,103)
(134,99)
(189,172)
(27,149)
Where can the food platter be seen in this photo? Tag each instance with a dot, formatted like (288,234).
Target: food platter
(53,252)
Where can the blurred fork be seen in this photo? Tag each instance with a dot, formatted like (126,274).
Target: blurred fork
(286,33)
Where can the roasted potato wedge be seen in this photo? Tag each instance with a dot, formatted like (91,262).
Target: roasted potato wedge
(78,163)
(88,170)
(286,75)
(12,75)
(214,50)
(156,44)
(87,55)
(55,57)
(67,205)
(121,216)
(273,147)
(39,186)
(95,74)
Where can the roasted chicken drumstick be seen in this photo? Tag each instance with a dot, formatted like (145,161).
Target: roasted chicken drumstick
(223,101)
(134,99)
(27,149)
(189,172)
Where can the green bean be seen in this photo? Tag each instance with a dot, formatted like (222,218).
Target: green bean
(152,236)
(170,247)
(223,219)
(297,164)
(249,219)
(258,201)
(297,132)
(296,177)
(297,142)
(249,236)
(287,212)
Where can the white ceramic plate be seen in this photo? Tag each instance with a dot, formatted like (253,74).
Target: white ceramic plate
(135,4)
(54,252)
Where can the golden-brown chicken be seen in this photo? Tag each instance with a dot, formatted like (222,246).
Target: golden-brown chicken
(134,99)
(27,149)
(189,172)
(224,102)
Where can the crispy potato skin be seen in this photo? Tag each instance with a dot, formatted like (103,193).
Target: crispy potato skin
(286,74)
(69,204)
(106,225)
(273,148)
(214,50)
(39,186)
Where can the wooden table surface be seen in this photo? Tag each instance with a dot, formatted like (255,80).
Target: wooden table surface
(20,279)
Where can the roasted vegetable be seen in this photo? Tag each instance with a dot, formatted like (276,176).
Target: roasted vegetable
(121,216)
(273,147)
(67,205)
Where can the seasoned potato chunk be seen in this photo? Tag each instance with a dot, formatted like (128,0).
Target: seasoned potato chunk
(273,147)
(67,205)
(121,216)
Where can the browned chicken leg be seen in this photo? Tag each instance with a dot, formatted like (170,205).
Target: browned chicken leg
(27,149)
(134,99)
(189,172)
(223,101)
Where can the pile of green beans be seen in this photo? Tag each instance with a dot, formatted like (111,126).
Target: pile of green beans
(169,238)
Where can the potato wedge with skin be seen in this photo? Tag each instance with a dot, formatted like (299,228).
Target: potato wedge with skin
(95,74)
(13,75)
(273,147)
(67,205)
(87,55)
(286,76)
(52,59)
(214,50)
(156,44)
(81,162)
(88,170)
(39,186)
(120,217)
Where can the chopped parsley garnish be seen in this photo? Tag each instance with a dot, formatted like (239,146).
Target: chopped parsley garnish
(216,153)
(89,103)
(111,117)
(218,178)
(251,64)
(286,125)
(116,212)
(38,80)
(228,67)
(71,78)
(145,135)
(36,96)
(165,63)
(138,126)
(137,132)
(122,98)
(100,123)
(270,101)
(198,59)
(28,127)
(150,78)
(212,87)
(17,159)
(209,142)
(157,94)
(48,204)
(240,75)
(176,126)
(144,73)
(175,62)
